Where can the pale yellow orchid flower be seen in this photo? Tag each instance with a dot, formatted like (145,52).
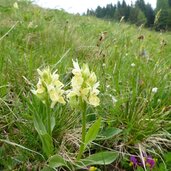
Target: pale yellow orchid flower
(84,85)
(49,87)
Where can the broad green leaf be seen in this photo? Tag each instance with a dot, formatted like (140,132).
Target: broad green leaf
(57,161)
(108,133)
(47,144)
(39,126)
(167,157)
(101,158)
(46,139)
(92,132)
(46,168)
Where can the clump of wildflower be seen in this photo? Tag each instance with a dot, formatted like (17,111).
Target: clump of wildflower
(133,161)
(149,161)
(49,87)
(84,86)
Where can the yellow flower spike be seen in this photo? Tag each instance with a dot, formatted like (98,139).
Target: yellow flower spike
(49,87)
(84,85)
(92,168)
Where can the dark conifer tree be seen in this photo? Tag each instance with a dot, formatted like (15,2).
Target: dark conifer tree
(169,1)
(150,15)
(164,20)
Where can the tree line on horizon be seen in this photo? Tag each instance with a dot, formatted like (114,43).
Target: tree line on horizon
(138,13)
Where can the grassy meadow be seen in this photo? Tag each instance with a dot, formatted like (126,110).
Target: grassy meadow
(133,117)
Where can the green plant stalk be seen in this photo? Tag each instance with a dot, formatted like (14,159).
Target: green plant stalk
(49,123)
(49,130)
(81,150)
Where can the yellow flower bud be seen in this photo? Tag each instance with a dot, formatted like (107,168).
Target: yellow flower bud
(92,168)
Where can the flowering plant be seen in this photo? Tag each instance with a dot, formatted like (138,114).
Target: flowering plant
(84,91)
(49,86)
(84,86)
(149,162)
(50,91)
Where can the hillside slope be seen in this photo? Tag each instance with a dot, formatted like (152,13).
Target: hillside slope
(133,66)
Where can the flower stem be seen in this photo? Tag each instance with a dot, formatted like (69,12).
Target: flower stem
(81,150)
(48,115)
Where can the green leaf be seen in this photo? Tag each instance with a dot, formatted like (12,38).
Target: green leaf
(167,157)
(139,169)
(101,158)
(57,161)
(39,126)
(46,168)
(109,133)
(92,132)
(52,122)
(47,144)
(163,167)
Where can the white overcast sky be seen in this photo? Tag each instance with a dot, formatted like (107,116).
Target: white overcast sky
(80,6)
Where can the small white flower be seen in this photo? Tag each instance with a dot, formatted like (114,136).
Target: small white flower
(132,65)
(114,100)
(154,90)
(108,86)
(103,64)
(159,100)
(15,5)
